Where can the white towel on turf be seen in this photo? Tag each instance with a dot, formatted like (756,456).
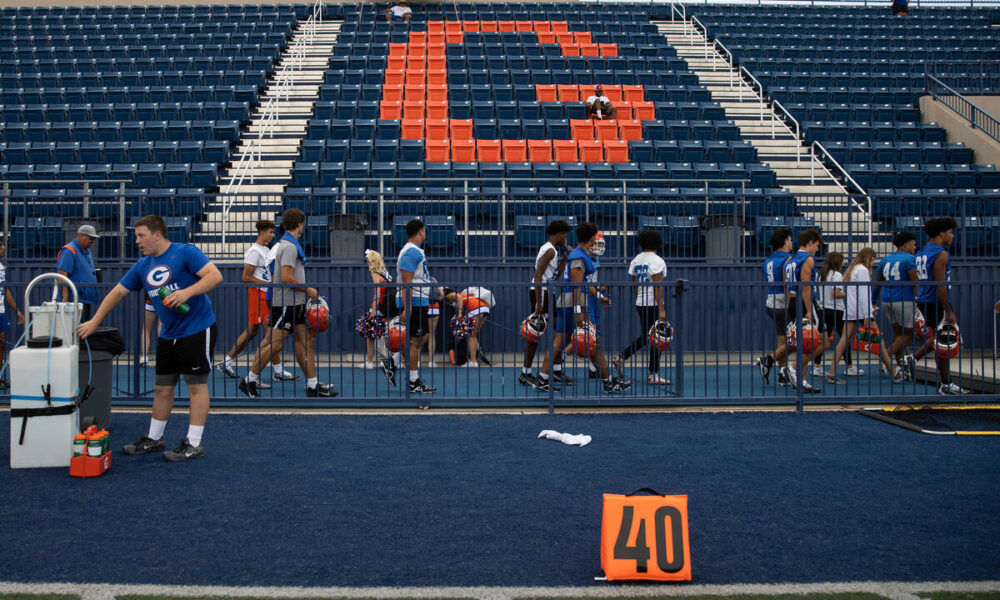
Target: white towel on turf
(566,438)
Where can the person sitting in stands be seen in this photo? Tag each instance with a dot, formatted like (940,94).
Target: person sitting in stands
(400,12)
(599,106)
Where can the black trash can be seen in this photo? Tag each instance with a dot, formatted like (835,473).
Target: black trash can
(723,237)
(97,368)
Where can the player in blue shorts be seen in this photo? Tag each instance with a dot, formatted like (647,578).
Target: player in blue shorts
(187,331)
(572,310)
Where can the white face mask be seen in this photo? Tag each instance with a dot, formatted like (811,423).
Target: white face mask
(598,247)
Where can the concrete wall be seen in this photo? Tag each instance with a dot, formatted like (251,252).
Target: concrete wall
(986,150)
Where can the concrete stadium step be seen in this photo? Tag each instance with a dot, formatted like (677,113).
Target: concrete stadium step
(292,103)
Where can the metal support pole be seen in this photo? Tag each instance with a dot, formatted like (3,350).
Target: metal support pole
(86,200)
(381,215)
(121,231)
(468,232)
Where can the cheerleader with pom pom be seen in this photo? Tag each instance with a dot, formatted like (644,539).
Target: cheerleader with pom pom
(376,319)
(471,311)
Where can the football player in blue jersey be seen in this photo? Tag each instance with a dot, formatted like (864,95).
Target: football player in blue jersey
(176,278)
(801,268)
(778,309)
(899,301)
(934,268)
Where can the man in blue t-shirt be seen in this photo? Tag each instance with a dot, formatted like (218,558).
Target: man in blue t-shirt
(414,302)
(176,278)
(77,263)
(899,301)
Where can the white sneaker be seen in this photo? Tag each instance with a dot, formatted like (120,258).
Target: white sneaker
(854,371)
(369,365)
(432,364)
(952,389)
(472,365)
(655,379)
(818,371)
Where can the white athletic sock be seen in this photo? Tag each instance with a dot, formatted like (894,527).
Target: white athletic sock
(156,429)
(194,434)
(526,370)
(396,360)
(228,360)
(278,368)
(312,382)
(252,377)
(557,367)
(592,368)
(414,376)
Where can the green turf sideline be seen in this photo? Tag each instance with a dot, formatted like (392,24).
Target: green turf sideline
(973,590)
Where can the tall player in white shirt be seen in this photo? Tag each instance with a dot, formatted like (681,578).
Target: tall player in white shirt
(255,272)
(549,263)
(647,268)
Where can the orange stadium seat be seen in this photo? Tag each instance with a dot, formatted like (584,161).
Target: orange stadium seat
(437,129)
(591,151)
(629,129)
(471,26)
(560,26)
(589,50)
(644,111)
(414,109)
(565,39)
(568,93)
(606,130)
(565,150)
(437,93)
(394,77)
(438,150)
(581,129)
(546,37)
(415,63)
(488,151)
(507,26)
(454,37)
(390,110)
(461,129)
(608,49)
(393,93)
(522,26)
(413,129)
(515,150)
(463,150)
(633,93)
(540,150)
(397,49)
(546,93)
(395,63)
(538,26)
(624,110)
(435,27)
(613,92)
(615,151)
(488,26)
(570,49)
(416,76)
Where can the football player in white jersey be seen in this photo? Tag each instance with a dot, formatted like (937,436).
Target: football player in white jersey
(255,272)
(549,263)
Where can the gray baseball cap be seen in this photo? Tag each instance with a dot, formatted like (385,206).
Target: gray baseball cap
(87,230)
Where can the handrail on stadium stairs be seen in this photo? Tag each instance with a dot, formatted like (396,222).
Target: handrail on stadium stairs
(252,155)
(847,176)
(965,108)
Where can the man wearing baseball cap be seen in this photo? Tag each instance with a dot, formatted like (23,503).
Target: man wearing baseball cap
(76,262)
(599,106)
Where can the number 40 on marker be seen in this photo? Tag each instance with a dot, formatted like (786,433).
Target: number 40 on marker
(645,538)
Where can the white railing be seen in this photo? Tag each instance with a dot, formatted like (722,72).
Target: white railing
(775,107)
(252,154)
(676,8)
(760,88)
(867,214)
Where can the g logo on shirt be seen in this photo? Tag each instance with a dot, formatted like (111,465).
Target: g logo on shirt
(158,276)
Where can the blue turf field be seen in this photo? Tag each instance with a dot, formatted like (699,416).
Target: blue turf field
(478,500)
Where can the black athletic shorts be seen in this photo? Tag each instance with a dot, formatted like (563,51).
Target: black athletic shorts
(419,324)
(933,313)
(191,355)
(287,318)
(545,299)
(783,316)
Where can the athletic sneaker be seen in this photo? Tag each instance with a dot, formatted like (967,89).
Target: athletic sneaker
(782,376)
(809,389)
(854,371)
(616,385)
(543,385)
(284,376)
(263,385)
(764,363)
(655,379)
(183,452)
(419,387)
(952,389)
(897,375)
(369,365)
(527,379)
(806,386)
(144,445)
(593,374)
(388,370)
(249,388)
(819,371)
(560,377)
(324,390)
(229,371)
(834,380)
(471,365)
(909,366)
